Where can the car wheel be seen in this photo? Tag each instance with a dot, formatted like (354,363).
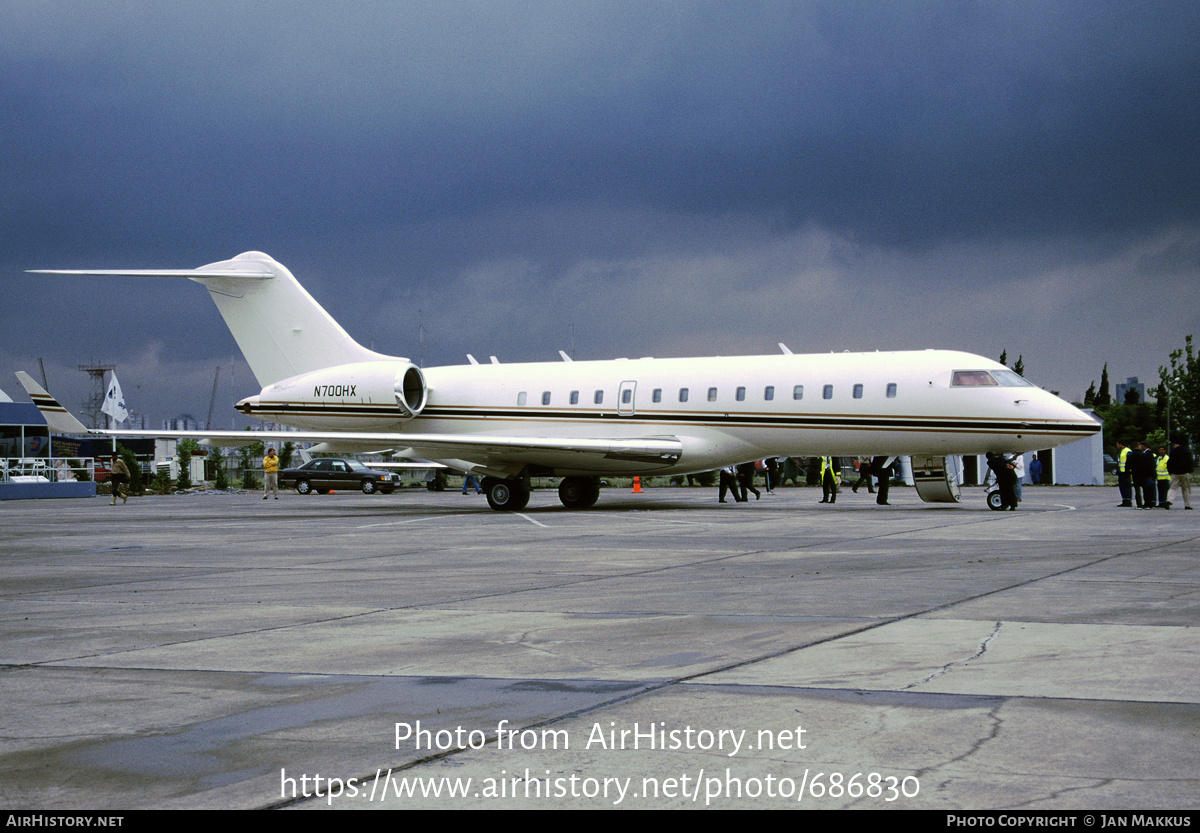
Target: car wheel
(368,487)
(304,487)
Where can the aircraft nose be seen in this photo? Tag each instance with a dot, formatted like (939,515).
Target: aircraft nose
(1054,410)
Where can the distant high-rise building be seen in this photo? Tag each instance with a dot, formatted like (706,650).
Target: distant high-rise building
(1131,385)
(183,422)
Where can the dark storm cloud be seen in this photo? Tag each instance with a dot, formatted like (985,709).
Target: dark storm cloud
(742,156)
(906,123)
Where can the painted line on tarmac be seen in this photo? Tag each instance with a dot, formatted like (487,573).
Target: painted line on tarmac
(409,521)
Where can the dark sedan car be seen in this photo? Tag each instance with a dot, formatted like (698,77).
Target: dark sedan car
(328,473)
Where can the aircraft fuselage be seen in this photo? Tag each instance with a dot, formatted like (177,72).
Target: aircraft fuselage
(721,409)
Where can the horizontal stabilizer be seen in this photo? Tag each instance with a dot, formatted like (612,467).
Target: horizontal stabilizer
(251,275)
(281,330)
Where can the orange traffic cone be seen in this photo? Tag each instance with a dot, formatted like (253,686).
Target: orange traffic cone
(637,485)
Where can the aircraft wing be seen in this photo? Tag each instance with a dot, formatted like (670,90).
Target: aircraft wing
(485,452)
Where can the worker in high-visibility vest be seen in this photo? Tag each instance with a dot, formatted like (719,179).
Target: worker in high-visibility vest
(1164,477)
(1123,474)
(829,479)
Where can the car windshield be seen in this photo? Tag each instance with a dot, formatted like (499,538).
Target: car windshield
(356,466)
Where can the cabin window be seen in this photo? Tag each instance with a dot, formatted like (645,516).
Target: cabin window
(574,397)
(626,396)
(683,394)
(827,392)
(769,393)
(521,398)
(545,397)
(656,395)
(858,389)
(891,390)
(712,394)
(599,397)
(741,394)
(798,392)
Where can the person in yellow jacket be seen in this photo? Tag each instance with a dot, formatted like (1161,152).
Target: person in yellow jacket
(829,479)
(1164,477)
(1123,482)
(271,475)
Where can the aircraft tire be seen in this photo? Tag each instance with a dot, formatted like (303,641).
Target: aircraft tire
(579,492)
(304,487)
(506,495)
(994,501)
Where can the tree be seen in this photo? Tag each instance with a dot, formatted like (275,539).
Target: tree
(135,469)
(185,449)
(1019,367)
(1127,423)
(1102,396)
(285,455)
(1089,398)
(251,455)
(220,479)
(1004,357)
(1180,385)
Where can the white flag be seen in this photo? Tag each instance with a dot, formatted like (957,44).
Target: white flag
(114,401)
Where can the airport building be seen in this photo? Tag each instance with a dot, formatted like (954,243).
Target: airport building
(35,465)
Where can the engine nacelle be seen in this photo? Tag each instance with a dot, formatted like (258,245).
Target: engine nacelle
(365,396)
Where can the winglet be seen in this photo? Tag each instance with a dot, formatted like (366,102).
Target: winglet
(57,417)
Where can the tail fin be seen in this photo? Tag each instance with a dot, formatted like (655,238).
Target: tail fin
(280,329)
(57,417)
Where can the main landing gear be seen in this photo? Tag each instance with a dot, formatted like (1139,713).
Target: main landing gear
(579,492)
(506,495)
(512,495)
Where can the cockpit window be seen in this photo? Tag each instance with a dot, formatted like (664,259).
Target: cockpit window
(987,378)
(1011,379)
(972,379)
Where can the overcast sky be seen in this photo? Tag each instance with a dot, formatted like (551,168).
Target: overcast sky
(620,178)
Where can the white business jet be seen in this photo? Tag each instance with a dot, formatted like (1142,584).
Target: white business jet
(581,420)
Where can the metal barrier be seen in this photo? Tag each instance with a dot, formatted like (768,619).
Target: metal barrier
(46,469)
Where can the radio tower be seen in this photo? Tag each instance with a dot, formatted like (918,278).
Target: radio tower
(95,400)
